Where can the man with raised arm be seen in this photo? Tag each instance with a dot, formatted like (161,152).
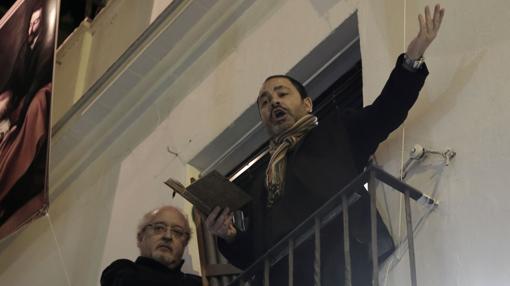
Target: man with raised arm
(311,160)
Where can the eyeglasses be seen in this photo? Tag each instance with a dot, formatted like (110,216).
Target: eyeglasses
(175,231)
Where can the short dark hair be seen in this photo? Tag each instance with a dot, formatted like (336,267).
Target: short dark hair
(300,88)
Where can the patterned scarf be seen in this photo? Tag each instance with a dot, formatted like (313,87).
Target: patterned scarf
(275,173)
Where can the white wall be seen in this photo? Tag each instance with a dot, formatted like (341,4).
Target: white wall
(462,106)
(95,45)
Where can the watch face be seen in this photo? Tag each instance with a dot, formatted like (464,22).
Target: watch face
(417,63)
(413,64)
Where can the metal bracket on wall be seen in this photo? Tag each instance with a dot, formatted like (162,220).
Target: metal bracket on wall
(418,153)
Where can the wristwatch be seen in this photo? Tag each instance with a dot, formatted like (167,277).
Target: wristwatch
(411,64)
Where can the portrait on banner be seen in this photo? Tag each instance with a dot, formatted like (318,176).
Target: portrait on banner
(27,47)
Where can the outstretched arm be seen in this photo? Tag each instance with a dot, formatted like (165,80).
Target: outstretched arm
(375,122)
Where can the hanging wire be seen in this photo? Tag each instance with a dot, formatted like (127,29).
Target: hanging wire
(400,207)
(59,250)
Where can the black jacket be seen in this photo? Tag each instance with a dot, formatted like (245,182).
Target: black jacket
(145,272)
(329,157)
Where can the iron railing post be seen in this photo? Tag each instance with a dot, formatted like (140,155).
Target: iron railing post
(410,239)
(373,229)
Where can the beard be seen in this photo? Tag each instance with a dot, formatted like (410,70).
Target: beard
(164,258)
(167,259)
(277,129)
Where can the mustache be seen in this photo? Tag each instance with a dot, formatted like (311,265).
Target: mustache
(278,107)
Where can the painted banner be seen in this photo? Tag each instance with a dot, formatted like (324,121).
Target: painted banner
(27,48)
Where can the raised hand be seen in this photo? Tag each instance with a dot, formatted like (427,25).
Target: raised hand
(221,225)
(429,27)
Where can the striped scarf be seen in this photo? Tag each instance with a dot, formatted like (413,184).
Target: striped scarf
(275,172)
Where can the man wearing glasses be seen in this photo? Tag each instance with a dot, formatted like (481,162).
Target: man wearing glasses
(162,236)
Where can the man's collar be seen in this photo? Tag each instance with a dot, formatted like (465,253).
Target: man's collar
(158,265)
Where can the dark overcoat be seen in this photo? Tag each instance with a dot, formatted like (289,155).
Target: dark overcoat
(326,160)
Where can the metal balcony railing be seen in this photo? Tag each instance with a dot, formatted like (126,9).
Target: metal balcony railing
(333,208)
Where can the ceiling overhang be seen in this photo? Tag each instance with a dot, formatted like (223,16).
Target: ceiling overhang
(171,44)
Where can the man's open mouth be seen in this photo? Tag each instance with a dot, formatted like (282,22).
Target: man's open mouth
(279,114)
